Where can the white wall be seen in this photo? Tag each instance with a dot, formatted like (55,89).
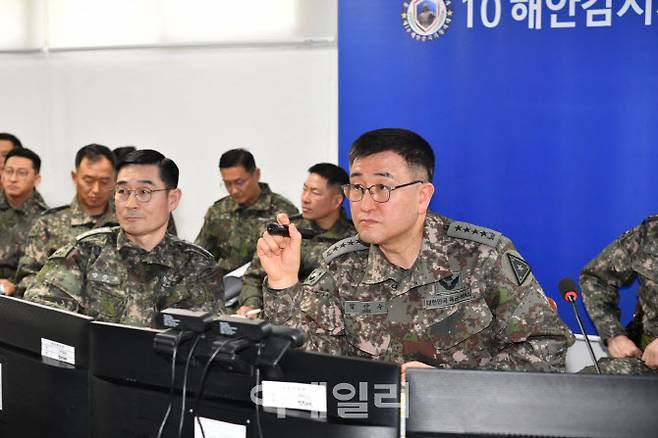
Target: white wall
(280,102)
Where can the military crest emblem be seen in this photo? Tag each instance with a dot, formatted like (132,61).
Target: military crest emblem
(426,20)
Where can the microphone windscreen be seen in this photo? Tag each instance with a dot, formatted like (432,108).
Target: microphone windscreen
(567,285)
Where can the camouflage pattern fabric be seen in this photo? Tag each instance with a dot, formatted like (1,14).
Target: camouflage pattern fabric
(230,231)
(632,256)
(469,301)
(609,365)
(14,225)
(251,293)
(54,229)
(109,278)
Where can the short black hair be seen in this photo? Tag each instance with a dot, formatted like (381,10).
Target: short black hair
(94,152)
(335,176)
(12,138)
(121,152)
(415,150)
(25,153)
(167,168)
(238,157)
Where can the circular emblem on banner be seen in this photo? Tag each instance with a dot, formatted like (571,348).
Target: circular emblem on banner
(426,20)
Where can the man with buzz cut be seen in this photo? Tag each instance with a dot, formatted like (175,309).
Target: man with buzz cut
(19,208)
(233,224)
(322,215)
(93,178)
(413,287)
(128,274)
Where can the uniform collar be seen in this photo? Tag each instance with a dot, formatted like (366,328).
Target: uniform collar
(162,254)
(431,265)
(263,201)
(79,215)
(34,202)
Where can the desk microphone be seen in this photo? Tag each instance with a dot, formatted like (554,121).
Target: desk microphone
(568,289)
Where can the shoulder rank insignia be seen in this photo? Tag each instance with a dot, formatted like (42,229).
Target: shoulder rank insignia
(62,252)
(520,269)
(194,247)
(315,276)
(344,246)
(56,209)
(463,230)
(92,232)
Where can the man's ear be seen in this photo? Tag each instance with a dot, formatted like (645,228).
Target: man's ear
(426,192)
(174,198)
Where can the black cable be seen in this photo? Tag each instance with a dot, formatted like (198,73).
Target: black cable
(185,374)
(202,383)
(171,387)
(258,426)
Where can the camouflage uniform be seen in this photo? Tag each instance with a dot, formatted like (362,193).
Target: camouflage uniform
(633,255)
(230,230)
(469,301)
(14,225)
(312,249)
(54,229)
(109,278)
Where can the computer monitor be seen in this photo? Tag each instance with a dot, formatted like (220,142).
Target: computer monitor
(451,403)
(131,381)
(44,371)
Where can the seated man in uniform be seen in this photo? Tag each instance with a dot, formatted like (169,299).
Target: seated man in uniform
(19,208)
(634,255)
(322,214)
(233,224)
(413,287)
(93,179)
(127,274)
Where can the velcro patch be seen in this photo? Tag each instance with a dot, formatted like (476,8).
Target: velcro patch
(353,308)
(440,301)
(315,276)
(344,246)
(93,231)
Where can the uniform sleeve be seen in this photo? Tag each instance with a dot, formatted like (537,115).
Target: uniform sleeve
(529,336)
(60,282)
(205,282)
(251,293)
(285,206)
(207,238)
(33,258)
(312,306)
(601,279)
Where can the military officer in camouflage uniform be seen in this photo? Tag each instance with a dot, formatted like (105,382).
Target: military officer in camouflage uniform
(632,256)
(128,274)
(20,205)
(233,224)
(323,214)
(413,287)
(93,178)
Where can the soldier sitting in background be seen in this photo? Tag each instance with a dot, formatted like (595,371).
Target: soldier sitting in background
(233,224)
(19,208)
(632,256)
(128,274)
(322,212)
(93,178)
(413,287)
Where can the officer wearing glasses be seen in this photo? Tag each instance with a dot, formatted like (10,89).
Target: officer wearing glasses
(413,287)
(127,274)
(233,224)
(19,208)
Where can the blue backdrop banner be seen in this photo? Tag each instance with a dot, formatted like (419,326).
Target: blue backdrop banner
(543,114)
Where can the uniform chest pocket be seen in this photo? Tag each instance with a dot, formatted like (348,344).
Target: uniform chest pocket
(468,319)
(104,299)
(367,327)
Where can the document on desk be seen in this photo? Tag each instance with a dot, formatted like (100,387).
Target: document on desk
(291,395)
(218,429)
